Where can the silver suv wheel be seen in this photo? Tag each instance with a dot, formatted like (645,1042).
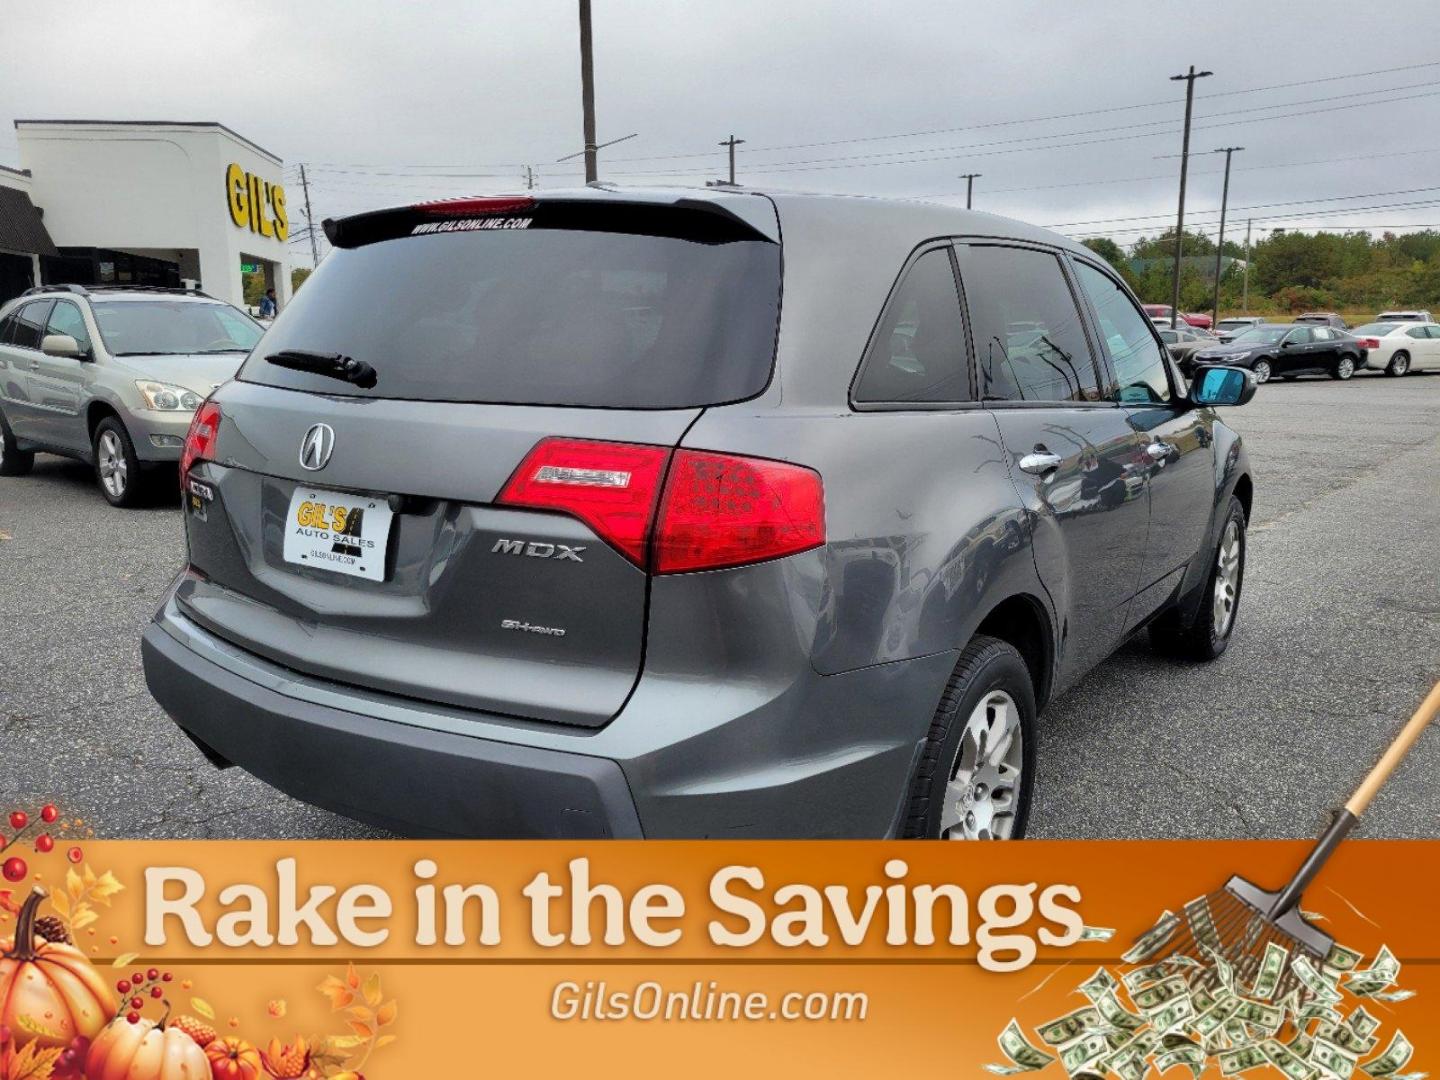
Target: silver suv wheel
(114,473)
(981,797)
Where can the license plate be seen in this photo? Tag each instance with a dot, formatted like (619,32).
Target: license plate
(347,534)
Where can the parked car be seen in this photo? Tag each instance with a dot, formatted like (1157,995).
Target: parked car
(112,376)
(1161,314)
(1288,350)
(1404,316)
(583,532)
(1323,318)
(1399,347)
(1226,329)
(1183,343)
(1198,319)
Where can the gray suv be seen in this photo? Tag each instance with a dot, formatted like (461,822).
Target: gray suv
(690,514)
(112,376)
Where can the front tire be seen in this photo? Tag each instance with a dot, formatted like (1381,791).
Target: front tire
(1208,634)
(1262,371)
(117,469)
(976,774)
(1399,364)
(1343,369)
(13,460)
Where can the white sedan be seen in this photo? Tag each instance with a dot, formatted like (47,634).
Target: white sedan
(1398,347)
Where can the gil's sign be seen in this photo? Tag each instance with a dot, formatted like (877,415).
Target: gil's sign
(256,204)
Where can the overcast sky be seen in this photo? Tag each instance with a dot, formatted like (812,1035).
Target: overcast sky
(387,102)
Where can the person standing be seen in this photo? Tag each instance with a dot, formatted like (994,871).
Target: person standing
(267,305)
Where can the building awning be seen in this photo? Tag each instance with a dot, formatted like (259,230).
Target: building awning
(21,228)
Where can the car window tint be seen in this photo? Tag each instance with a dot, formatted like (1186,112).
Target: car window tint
(1299,336)
(1139,361)
(1029,342)
(1434,331)
(918,352)
(1418,332)
(1170,337)
(66,319)
(7,329)
(30,324)
(1322,333)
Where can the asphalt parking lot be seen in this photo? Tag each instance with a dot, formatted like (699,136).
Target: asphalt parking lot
(1338,639)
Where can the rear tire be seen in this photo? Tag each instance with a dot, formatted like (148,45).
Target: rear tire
(1208,634)
(1262,371)
(1343,369)
(13,460)
(973,781)
(118,472)
(1399,364)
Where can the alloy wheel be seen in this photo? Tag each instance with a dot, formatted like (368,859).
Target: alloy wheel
(1400,364)
(1345,368)
(1262,371)
(1226,593)
(983,795)
(114,473)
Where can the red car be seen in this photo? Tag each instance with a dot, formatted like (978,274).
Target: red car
(1162,311)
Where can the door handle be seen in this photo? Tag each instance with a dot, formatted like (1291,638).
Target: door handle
(1160,451)
(34,365)
(1040,461)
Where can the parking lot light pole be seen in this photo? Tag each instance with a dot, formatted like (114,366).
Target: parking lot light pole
(1245,287)
(1189,79)
(587,94)
(969,178)
(1220,240)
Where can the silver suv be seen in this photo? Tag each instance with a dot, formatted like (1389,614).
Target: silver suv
(690,513)
(112,376)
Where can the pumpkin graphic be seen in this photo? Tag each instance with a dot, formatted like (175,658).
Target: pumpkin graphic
(145,1051)
(50,986)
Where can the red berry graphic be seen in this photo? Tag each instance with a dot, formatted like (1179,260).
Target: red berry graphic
(152,974)
(137,1003)
(157,993)
(166,977)
(44,843)
(138,978)
(133,1017)
(123,986)
(48,813)
(15,869)
(75,854)
(19,819)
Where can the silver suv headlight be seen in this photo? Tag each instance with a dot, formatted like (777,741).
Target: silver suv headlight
(162,397)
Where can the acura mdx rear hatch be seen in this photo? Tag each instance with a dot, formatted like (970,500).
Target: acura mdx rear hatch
(438,473)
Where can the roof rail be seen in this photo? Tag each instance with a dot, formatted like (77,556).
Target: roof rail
(37,289)
(175,291)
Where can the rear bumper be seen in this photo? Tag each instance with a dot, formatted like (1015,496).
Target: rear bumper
(792,754)
(413,780)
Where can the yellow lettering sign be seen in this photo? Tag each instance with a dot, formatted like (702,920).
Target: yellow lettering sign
(255,204)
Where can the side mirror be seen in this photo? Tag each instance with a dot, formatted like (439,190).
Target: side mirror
(61,345)
(1221,386)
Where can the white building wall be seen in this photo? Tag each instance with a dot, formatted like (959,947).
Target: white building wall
(154,187)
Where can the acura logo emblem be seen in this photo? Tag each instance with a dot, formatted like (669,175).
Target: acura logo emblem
(316,447)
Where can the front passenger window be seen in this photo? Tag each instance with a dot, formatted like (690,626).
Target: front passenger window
(66,319)
(918,352)
(1139,361)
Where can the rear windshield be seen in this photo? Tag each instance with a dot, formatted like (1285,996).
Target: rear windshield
(539,316)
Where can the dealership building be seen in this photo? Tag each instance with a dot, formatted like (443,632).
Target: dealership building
(168,203)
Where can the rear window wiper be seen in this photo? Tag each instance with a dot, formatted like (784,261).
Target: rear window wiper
(330,365)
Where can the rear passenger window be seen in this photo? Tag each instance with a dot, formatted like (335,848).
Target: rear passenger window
(1138,358)
(30,324)
(918,352)
(1029,342)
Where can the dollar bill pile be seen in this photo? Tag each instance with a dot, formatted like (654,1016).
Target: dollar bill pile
(1183,1010)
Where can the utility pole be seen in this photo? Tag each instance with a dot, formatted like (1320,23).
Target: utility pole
(969,178)
(587,94)
(529,178)
(1220,241)
(309,224)
(732,142)
(1189,80)
(1245,287)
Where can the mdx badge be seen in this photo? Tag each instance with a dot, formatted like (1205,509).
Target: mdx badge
(316,447)
(535,549)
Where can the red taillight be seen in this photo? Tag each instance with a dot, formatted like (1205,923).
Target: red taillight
(200,439)
(716,510)
(493,204)
(1368,342)
(721,510)
(611,487)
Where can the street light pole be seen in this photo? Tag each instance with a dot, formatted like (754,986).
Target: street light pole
(587,94)
(969,178)
(1189,80)
(1220,241)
